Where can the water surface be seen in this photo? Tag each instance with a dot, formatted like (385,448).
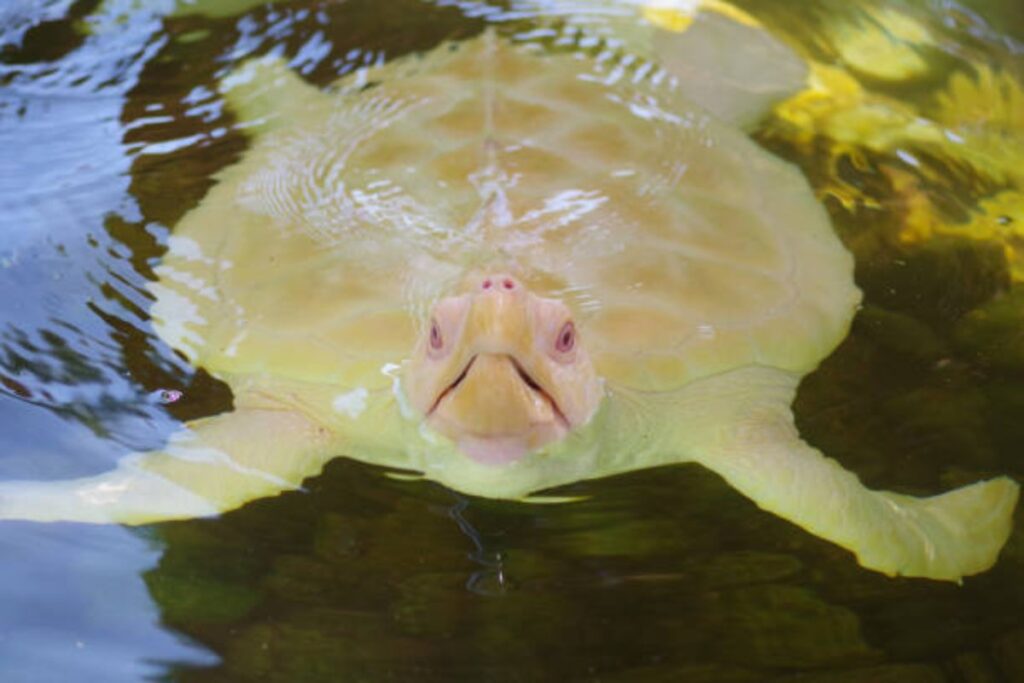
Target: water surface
(111,129)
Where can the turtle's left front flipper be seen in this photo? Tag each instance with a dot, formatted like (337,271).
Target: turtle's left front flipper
(212,465)
(758,451)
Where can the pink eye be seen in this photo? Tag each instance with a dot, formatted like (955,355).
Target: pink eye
(566,338)
(436,342)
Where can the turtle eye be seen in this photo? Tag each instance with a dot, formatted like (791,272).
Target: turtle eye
(566,338)
(436,340)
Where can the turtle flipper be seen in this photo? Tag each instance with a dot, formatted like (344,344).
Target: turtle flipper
(729,64)
(213,465)
(265,93)
(944,537)
(127,495)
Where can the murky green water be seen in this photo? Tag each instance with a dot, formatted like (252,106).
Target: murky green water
(110,129)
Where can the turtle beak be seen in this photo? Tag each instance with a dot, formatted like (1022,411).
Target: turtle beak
(493,408)
(495,412)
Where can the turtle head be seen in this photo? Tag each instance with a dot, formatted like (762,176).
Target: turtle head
(501,371)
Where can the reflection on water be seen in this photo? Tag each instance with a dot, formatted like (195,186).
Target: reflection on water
(64,176)
(75,607)
(111,130)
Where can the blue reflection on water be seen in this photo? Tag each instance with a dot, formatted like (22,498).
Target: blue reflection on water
(73,606)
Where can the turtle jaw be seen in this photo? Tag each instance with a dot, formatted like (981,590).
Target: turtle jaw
(498,372)
(496,412)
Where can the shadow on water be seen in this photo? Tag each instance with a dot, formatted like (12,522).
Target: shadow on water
(658,575)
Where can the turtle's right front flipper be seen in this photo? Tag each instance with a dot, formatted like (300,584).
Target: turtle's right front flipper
(213,465)
(753,443)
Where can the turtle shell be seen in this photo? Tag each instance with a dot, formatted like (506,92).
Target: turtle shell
(685,249)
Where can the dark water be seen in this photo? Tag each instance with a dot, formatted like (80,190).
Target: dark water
(110,129)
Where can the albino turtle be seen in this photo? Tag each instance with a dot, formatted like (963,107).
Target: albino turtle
(508,268)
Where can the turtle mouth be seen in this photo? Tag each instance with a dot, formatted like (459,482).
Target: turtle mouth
(542,392)
(451,387)
(533,385)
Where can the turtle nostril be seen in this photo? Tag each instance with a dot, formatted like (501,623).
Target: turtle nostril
(508,284)
(486,284)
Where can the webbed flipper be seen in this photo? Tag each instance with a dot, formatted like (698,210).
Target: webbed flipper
(758,451)
(213,465)
(727,62)
(265,93)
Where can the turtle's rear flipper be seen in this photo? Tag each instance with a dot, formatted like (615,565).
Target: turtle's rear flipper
(735,69)
(265,94)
